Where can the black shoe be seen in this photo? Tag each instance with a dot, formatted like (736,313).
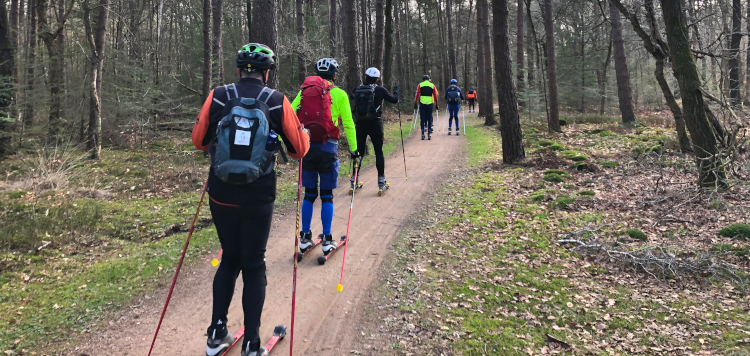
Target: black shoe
(429,137)
(422,135)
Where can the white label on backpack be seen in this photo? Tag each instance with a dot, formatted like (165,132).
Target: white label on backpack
(242,122)
(242,138)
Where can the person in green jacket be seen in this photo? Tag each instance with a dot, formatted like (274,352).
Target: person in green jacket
(322,163)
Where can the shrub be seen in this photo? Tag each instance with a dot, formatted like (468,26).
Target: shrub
(736,231)
(587,193)
(537,197)
(563,122)
(637,234)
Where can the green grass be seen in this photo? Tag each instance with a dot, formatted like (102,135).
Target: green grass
(484,144)
(736,231)
(637,234)
(69,298)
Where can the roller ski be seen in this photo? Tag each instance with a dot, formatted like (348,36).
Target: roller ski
(307,244)
(329,248)
(449,131)
(382,185)
(422,136)
(351,186)
(279,332)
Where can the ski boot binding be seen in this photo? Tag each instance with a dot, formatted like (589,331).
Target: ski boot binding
(382,185)
(328,245)
(218,339)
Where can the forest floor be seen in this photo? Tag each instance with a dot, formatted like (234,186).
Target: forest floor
(82,241)
(481,271)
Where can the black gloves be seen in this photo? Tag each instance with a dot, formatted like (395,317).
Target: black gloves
(396,91)
(415,106)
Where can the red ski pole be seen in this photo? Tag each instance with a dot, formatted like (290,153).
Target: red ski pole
(296,251)
(340,286)
(179,265)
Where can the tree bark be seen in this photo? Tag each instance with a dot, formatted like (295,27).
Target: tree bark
(510,126)
(7,65)
(249,16)
(301,68)
(265,31)
(468,82)
(399,49)
(734,53)
(480,62)
(602,78)
(710,166)
(13,21)
(351,44)
(747,60)
(553,120)
(451,44)
(388,52)
(530,40)
(624,93)
(158,51)
(218,61)
(488,95)
(519,53)
(206,47)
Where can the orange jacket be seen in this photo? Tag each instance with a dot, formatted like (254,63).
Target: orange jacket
(471,95)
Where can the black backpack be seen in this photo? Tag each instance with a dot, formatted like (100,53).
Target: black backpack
(453,96)
(364,102)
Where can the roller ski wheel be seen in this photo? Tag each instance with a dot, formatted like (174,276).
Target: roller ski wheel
(383,189)
(359,186)
(323,259)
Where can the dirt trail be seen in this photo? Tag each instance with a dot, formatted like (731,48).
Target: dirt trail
(324,323)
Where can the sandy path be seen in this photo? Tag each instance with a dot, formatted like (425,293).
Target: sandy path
(324,323)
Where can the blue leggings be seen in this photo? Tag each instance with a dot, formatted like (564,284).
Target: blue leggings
(453,114)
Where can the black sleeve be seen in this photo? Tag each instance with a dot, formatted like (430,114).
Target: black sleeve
(386,95)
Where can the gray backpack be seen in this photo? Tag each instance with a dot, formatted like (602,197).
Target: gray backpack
(238,153)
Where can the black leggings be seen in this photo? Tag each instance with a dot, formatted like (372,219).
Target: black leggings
(374,129)
(243,232)
(471,104)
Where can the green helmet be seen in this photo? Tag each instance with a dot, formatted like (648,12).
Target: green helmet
(256,56)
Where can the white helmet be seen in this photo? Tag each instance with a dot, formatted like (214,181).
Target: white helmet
(372,72)
(327,65)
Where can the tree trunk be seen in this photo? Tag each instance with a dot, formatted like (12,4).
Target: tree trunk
(424,39)
(97,40)
(28,110)
(480,62)
(206,47)
(624,92)
(49,36)
(218,62)
(710,167)
(451,45)
(265,31)
(467,78)
(332,28)
(519,54)
(388,52)
(301,68)
(489,119)
(6,81)
(510,127)
(249,15)
(399,49)
(351,44)
(673,106)
(530,40)
(734,53)
(13,21)
(553,119)
(602,76)
(377,50)
(747,60)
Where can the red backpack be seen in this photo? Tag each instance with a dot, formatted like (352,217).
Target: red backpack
(315,109)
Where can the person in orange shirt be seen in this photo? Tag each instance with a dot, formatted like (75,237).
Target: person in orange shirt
(242,125)
(471,96)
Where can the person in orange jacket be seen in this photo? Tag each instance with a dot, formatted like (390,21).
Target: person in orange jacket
(242,185)
(471,96)
(425,99)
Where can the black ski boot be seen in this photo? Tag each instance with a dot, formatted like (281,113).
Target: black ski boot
(218,339)
(328,244)
(305,241)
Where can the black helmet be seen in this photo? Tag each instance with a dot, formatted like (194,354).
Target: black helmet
(425,77)
(256,56)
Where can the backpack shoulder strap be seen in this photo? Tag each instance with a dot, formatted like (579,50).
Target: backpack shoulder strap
(233,90)
(265,95)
